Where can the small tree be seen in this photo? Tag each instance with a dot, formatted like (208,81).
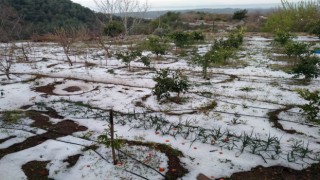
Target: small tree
(297,49)
(311,109)
(197,36)
(180,39)
(168,81)
(109,140)
(156,45)
(239,15)
(282,37)
(308,66)
(6,59)
(315,28)
(66,37)
(128,56)
(113,28)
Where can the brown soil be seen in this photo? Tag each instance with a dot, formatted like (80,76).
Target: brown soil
(175,169)
(47,89)
(72,89)
(6,139)
(232,78)
(63,128)
(36,170)
(279,173)
(72,160)
(273,117)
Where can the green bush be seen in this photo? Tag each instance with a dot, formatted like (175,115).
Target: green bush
(197,36)
(156,45)
(128,56)
(297,49)
(239,15)
(282,37)
(311,109)
(180,39)
(315,28)
(169,81)
(308,66)
(113,29)
(294,16)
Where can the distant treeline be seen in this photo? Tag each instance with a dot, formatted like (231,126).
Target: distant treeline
(44,16)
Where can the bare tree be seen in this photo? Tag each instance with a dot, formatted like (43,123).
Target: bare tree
(134,9)
(9,22)
(127,7)
(6,58)
(107,7)
(66,37)
(105,45)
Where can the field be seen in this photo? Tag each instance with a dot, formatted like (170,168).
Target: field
(246,114)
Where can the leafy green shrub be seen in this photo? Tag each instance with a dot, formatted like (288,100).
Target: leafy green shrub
(169,81)
(297,49)
(294,16)
(282,37)
(180,39)
(113,29)
(308,66)
(240,14)
(221,50)
(156,45)
(128,56)
(146,61)
(315,28)
(311,109)
(161,32)
(234,40)
(197,36)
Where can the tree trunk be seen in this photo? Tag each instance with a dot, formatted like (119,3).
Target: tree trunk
(69,60)
(7,74)
(24,53)
(112,138)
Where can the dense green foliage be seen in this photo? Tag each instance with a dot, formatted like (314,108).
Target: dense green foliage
(312,109)
(128,56)
(9,23)
(182,39)
(297,49)
(239,15)
(43,16)
(156,45)
(295,17)
(282,37)
(315,28)
(113,28)
(169,81)
(170,20)
(221,50)
(308,66)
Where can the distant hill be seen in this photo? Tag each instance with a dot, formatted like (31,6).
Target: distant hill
(43,16)
(156,14)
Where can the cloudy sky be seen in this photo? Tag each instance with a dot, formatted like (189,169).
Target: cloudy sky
(181,4)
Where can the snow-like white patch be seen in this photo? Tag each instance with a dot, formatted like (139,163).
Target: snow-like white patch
(244,99)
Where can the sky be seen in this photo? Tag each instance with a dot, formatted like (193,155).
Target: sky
(193,4)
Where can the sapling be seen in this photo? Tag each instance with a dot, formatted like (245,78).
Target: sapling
(7,58)
(109,140)
(312,108)
(169,81)
(308,66)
